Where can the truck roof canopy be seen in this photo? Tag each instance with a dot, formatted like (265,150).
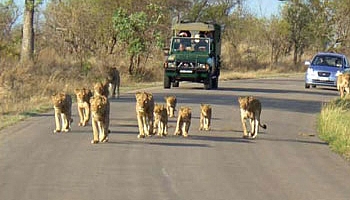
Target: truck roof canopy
(195,26)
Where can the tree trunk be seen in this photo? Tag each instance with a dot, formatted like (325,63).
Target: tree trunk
(27,50)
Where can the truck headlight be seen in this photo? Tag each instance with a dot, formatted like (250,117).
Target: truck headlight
(171,65)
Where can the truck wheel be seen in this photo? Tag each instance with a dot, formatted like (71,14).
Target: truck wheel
(166,82)
(215,83)
(176,84)
(208,84)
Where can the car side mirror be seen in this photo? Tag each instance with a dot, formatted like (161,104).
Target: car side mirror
(307,62)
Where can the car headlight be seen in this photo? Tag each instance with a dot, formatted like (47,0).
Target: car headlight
(310,70)
(338,73)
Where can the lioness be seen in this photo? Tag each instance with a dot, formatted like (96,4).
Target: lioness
(113,78)
(343,84)
(83,100)
(101,88)
(62,104)
(205,118)
(170,105)
(161,119)
(250,109)
(183,121)
(99,118)
(144,113)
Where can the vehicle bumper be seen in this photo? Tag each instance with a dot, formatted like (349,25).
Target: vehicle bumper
(321,81)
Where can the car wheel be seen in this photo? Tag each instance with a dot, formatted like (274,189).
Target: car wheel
(307,85)
(313,86)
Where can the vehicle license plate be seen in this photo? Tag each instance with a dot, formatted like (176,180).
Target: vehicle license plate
(324,78)
(186,71)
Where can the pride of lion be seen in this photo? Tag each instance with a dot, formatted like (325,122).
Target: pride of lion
(152,118)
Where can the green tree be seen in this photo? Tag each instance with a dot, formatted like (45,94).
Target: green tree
(9,13)
(299,17)
(138,32)
(276,33)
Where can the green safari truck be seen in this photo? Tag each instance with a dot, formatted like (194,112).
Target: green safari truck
(194,54)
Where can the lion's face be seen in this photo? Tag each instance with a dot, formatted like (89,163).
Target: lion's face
(83,95)
(170,101)
(159,112)
(205,109)
(143,101)
(185,113)
(243,102)
(58,100)
(99,106)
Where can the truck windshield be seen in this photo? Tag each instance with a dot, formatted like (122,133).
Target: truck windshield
(182,44)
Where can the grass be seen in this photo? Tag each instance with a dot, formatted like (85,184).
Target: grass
(334,127)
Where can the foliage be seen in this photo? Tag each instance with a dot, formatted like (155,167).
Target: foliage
(138,31)
(333,126)
(299,18)
(9,13)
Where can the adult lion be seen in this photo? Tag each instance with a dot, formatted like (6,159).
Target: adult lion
(343,84)
(250,108)
(83,101)
(62,104)
(113,78)
(100,109)
(144,113)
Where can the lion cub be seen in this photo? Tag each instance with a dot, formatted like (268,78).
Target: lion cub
(170,105)
(99,118)
(183,121)
(161,119)
(62,104)
(144,113)
(343,84)
(83,100)
(205,118)
(250,109)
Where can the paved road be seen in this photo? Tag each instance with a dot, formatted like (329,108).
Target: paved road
(286,161)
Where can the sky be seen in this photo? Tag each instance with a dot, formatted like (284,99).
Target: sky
(263,8)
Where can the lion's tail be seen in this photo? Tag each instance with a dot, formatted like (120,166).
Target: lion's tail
(264,126)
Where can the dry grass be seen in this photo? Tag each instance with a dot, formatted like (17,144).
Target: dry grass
(333,126)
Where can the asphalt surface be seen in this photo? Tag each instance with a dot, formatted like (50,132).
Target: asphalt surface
(286,161)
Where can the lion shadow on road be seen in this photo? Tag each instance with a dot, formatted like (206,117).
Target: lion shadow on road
(220,139)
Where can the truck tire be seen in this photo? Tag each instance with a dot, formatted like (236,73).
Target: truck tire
(176,84)
(215,83)
(166,82)
(208,84)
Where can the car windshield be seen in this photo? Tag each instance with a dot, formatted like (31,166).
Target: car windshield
(190,44)
(324,60)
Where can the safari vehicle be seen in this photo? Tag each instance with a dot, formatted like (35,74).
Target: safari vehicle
(194,54)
